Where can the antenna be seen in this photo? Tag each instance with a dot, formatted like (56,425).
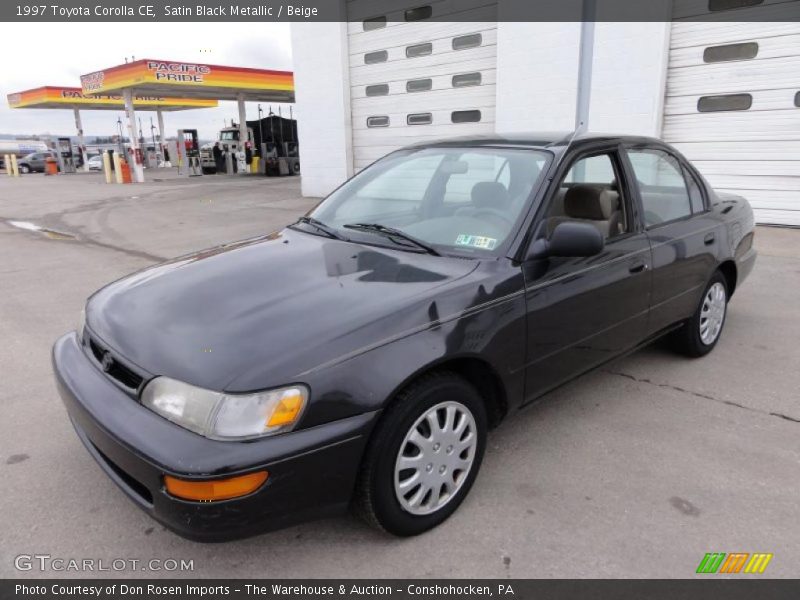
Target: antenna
(573,136)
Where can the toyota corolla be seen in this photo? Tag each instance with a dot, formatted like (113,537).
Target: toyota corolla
(358,357)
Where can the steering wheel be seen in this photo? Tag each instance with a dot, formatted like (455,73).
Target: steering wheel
(492,213)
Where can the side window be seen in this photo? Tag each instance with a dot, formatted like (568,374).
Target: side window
(589,193)
(661,185)
(593,169)
(695,193)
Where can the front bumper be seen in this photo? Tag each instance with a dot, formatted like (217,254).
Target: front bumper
(312,471)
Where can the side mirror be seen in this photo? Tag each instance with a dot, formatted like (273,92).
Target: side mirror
(569,238)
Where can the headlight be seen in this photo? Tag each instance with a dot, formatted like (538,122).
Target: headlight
(81,324)
(226,416)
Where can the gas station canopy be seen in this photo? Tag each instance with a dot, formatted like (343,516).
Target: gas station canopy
(72,97)
(150,77)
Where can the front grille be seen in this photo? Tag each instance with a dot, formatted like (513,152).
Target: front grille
(115,369)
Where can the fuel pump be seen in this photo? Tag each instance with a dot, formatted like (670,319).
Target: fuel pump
(66,158)
(189,153)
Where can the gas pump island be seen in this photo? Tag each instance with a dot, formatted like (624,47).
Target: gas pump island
(57,97)
(151,77)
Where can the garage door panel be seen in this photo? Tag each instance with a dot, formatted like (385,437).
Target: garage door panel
(778,217)
(400,127)
(768,10)
(773,47)
(407,34)
(691,34)
(438,63)
(738,125)
(738,151)
(767,183)
(476,97)
(394,11)
(762,200)
(762,101)
(763,168)
(735,76)
(438,82)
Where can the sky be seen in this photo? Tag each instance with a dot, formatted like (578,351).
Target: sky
(35,55)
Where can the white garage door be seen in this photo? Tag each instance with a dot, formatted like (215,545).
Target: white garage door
(413,79)
(733,104)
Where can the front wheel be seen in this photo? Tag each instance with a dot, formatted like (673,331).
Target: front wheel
(24,169)
(423,456)
(701,332)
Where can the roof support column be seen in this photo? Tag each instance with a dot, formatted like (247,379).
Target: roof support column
(81,144)
(137,169)
(242,130)
(162,139)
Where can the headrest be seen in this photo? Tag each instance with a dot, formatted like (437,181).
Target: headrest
(490,194)
(592,202)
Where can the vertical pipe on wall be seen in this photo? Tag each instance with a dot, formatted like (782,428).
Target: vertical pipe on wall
(585,58)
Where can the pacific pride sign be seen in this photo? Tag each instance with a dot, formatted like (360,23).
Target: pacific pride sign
(167,71)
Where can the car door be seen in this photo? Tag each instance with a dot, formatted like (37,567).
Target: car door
(682,232)
(585,311)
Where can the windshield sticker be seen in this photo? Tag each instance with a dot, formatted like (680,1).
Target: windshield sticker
(476,241)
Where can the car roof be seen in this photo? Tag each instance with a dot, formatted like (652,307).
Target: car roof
(548,139)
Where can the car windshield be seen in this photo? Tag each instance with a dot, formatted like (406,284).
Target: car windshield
(464,200)
(229,135)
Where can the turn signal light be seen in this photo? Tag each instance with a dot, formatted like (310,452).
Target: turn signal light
(211,490)
(288,409)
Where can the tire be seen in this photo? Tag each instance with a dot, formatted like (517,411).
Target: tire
(701,332)
(24,169)
(454,459)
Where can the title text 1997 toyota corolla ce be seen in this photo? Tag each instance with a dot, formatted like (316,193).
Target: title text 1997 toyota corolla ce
(359,356)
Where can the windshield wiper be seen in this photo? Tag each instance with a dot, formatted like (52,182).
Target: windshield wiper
(320,226)
(391,232)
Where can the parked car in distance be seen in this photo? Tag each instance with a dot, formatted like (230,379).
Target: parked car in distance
(358,357)
(95,163)
(35,162)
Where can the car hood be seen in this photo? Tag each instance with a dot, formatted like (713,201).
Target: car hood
(262,312)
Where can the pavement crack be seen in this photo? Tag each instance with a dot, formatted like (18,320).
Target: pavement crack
(81,239)
(128,251)
(786,417)
(676,388)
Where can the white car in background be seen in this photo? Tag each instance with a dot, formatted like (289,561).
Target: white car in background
(95,163)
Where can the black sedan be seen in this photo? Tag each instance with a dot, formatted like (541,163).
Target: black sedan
(358,357)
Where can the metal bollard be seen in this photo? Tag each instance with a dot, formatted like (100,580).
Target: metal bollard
(7,164)
(14,166)
(117,168)
(107,167)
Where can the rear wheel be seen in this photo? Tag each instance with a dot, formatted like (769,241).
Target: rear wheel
(701,332)
(423,456)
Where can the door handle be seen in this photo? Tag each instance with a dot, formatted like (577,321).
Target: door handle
(709,239)
(637,267)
